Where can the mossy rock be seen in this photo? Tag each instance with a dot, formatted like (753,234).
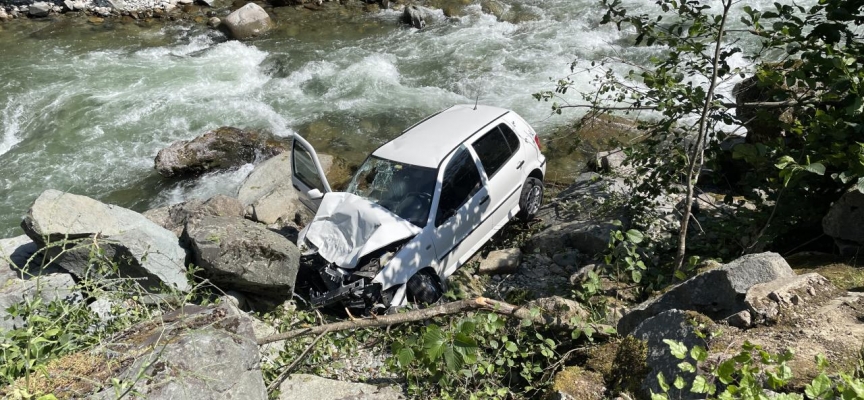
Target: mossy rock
(630,366)
(576,383)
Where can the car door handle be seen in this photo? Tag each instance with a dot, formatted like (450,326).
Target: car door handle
(520,164)
(484,199)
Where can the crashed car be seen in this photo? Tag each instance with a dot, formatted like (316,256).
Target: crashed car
(417,208)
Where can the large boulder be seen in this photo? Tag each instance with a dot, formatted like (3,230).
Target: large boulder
(674,325)
(845,223)
(302,387)
(220,148)
(239,254)
(174,217)
(269,196)
(582,216)
(191,353)
(718,293)
(73,228)
(414,16)
(48,287)
(248,21)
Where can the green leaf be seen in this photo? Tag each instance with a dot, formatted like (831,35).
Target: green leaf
(678,349)
(784,161)
(816,168)
(636,275)
(698,353)
(686,367)
(405,356)
(511,347)
(700,385)
(634,236)
(661,380)
(679,383)
(433,342)
(725,371)
(819,388)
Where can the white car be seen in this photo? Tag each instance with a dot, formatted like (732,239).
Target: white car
(417,209)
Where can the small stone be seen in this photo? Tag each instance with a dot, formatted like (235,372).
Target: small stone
(741,320)
(811,291)
(795,299)
(70,6)
(501,262)
(96,20)
(214,23)
(3,15)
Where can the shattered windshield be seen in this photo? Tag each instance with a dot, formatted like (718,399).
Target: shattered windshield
(404,189)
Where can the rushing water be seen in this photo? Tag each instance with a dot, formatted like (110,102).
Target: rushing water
(84,107)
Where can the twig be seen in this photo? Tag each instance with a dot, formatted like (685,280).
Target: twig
(456,307)
(279,379)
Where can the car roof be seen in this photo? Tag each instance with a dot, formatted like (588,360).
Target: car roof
(427,143)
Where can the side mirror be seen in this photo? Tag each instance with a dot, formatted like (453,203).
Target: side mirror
(315,194)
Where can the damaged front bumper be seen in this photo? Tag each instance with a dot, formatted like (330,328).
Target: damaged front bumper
(330,285)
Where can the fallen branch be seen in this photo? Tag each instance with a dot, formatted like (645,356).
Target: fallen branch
(279,379)
(456,307)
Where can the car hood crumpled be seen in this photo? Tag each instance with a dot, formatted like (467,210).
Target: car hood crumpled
(348,227)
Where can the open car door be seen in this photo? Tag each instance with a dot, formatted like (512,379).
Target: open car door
(307,175)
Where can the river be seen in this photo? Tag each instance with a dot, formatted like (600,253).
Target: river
(85,107)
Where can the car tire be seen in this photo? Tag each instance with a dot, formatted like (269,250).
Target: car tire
(530,199)
(424,288)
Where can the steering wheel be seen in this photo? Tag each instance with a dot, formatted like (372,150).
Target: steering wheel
(414,207)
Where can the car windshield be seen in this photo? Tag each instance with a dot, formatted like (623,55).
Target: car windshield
(404,189)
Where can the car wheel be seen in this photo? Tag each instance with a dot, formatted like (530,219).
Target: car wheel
(424,288)
(531,198)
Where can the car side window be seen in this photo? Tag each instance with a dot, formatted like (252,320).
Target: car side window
(461,181)
(305,169)
(510,136)
(494,149)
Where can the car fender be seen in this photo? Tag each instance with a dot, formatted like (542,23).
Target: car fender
(415,255)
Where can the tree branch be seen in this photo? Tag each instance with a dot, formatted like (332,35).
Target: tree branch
(757,104)
(456,307)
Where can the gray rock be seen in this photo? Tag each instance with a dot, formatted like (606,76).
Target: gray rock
(192,353)
(845,223)
(39,10)
(175,217)
(214,22)
(567,259)
(718,293)
(501,262)
(609,161)
(239,254)
(48,287)
(765,299)
(17,261)
(673,325)
(562,310)
(221,148)
(69,5)
(581,217)
(303,387)
(248,21)
(70,226)
(493,7)
(270,197)
(414,16)
(3,15)
(118,5)
(741,320)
